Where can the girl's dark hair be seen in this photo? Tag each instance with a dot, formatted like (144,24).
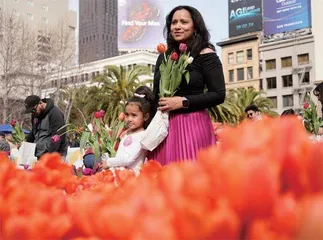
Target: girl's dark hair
(200,38)
(288,112)
(145,102)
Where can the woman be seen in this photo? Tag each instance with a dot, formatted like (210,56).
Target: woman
(190,127)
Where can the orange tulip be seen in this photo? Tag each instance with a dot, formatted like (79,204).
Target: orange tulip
(121,117)
(161,48)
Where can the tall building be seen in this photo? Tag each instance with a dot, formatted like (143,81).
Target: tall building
(288,70)
(97,30)
(40,13)
(240,60)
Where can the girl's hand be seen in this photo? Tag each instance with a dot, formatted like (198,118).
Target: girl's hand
(167,104)
(104,165)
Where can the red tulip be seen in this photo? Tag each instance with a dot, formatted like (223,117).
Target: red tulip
(97,114)
(174,56)
(13,122)
(306,105)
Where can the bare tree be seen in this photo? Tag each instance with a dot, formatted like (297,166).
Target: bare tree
(17,55)
(56,53)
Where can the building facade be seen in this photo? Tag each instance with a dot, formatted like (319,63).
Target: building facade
(240,60)
(97,30)
(84,73)
(40,14)
(288,71)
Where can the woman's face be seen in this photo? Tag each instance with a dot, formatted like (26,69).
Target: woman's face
(182,27)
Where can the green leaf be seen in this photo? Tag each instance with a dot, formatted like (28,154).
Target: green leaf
(96,150)
(84,139)
(187,76)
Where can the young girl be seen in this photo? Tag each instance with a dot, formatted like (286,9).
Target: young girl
(137,117)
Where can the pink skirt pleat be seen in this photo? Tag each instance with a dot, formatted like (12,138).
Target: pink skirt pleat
(188,134)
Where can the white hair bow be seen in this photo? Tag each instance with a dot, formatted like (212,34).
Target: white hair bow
(139,95)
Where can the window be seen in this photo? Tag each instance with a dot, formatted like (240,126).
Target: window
(249,73)
(240,72)
(287,81)
(274,101)
(288,101)
(44,7)
(303,58)
(270,64)
(30,3)
(44,20)
(231,75)
(306,78)
(286,62)
(249,54)
(30,16)
(15,12)
(271,83)
(240,57)
(230,58)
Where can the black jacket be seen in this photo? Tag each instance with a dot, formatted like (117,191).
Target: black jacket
(44,127)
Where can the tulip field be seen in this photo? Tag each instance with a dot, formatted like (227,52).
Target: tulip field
(264,181)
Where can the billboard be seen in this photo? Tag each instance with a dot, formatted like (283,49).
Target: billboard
(140,24)
(245,16)
(286,15)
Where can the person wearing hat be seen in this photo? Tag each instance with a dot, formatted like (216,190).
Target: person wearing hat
(4,145)
(46,119)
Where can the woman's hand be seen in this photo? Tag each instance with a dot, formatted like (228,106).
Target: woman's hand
(167,104)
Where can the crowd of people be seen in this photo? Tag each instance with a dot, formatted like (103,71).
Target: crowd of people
(190,126)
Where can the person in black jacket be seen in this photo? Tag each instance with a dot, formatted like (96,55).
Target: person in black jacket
(46,119)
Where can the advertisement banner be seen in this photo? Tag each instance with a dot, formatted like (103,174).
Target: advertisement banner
(140,24)
(245,16)
(286,15)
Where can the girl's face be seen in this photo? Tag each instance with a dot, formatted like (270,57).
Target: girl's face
(135,118)
(182,26)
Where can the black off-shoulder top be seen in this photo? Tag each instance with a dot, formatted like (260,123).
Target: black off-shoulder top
(205,73)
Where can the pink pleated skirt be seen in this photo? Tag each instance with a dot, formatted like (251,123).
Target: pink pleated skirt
(187,134)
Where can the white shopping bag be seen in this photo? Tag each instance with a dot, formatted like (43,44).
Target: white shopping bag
(156,132)
(27,154)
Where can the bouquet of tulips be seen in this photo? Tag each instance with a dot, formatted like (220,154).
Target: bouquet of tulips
(17,133)
(97,136)
(172,69)
(312,121)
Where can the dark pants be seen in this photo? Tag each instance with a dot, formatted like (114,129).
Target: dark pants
(89,160)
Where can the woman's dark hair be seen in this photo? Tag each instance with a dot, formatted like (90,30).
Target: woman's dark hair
(144,98)
(200,38)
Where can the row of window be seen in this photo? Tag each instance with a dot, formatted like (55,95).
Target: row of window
(287,61)
(85,77)
(96,37)
(287,80)
(240,74)
(30,16)
(240,56)
(31,4)
(288,100)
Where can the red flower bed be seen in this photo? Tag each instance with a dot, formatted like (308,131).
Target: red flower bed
(264,181)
